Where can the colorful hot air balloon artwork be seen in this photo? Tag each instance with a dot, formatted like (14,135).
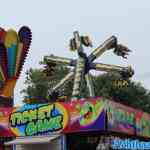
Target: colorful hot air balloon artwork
(13,51)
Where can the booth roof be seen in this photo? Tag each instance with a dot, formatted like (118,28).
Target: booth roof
(32,140)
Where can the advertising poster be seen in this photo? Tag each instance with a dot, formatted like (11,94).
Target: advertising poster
(121,118)
(53,118)
(42,119)
(86,115)
(77,116)
(142,124)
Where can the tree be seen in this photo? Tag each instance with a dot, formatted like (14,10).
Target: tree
(38,83)
(133,94)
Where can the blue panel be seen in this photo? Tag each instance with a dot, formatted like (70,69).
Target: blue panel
(11,53)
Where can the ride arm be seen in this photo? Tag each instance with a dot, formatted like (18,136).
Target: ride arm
(89,85)
(63,81)
(110,43)
(126,72)
(59,60)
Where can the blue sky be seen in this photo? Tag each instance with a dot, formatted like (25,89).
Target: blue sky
(53,21)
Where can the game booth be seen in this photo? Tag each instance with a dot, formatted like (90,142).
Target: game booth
(85,124)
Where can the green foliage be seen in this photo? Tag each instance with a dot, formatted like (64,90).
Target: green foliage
(38,82)
(134,94)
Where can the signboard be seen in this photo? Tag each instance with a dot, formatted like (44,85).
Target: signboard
(78,116)
(142,124)
(86,115)
(29,120)
(42,119)
(4,122)
(121,118)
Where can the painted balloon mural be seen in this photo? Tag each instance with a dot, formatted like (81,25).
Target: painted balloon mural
(14,47)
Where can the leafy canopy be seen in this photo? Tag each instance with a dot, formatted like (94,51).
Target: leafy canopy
(38,84)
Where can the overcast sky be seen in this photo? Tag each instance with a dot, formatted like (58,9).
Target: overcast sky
(52,24)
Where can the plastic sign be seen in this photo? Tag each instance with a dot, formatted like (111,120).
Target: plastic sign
(121,118)
(39,119)
(143,124)
(89,112)
(78,116)
(86,116)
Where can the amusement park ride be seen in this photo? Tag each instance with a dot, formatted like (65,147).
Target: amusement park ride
(85,63)
(14,48)
(13,51)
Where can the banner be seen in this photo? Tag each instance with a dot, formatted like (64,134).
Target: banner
(86,115)
(121,118)
(142,124)
(29,120)
(41,119)
(77,116)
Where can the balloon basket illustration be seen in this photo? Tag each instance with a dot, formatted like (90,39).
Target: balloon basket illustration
(14,47)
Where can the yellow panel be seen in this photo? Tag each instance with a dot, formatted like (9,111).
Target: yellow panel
(9,86)
(11,37)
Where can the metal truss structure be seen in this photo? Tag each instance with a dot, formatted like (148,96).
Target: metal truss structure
(85,63)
